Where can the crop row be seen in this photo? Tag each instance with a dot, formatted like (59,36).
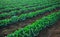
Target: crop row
(24,2)
(26,8)
(33,29)
(22,17)
(7,9)
(14,13)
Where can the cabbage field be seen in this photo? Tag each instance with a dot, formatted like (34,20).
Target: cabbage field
(26,18)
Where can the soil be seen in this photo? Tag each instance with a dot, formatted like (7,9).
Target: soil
(53,31)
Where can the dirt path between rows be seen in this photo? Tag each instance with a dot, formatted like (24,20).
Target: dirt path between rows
(53,31)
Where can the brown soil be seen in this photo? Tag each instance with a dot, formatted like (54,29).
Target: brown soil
(53,31)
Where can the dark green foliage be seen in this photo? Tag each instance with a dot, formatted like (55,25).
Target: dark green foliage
(22,17)
(34,28)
